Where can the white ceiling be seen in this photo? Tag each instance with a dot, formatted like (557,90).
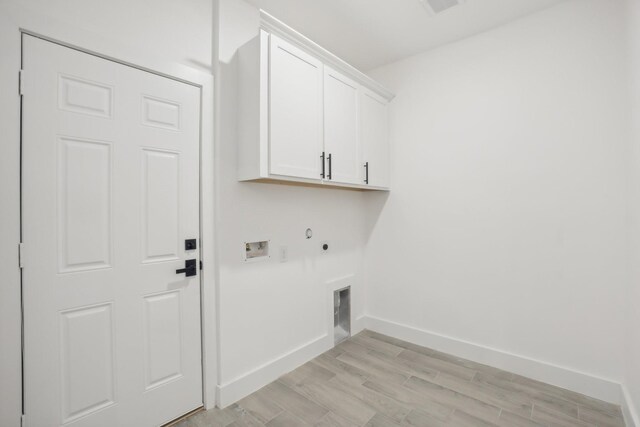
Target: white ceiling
(371,33)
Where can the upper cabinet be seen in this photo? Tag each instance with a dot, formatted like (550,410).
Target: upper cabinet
(295,111)
(307,116)
(374,128)
(341,134)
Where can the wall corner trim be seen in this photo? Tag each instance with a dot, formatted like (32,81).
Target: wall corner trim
(629,410)
(580,382)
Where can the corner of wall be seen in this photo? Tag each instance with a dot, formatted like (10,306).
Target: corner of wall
(629,411)
(560,376)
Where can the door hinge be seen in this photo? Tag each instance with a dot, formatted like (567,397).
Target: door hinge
(21,82)
(21,255)
(200,265)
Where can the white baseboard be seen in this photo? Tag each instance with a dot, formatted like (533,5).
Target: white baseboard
(254,380)
(629,410)
(358,325)
(570,379)
(580,382)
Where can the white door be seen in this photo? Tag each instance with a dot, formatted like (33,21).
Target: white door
(110,193)
(341,128)
(374,130)
(295,108)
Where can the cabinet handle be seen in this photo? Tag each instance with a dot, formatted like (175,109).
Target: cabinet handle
(329,158)
(366,170)
(322,157)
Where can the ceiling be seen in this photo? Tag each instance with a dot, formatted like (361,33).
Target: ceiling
(371,33)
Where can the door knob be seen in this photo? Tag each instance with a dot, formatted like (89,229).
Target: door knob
(189,269)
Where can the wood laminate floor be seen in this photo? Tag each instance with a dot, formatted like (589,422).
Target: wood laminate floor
(375,380)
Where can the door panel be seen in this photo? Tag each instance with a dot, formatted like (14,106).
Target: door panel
(110,192)
(85,97)
(163,341)
(88,360)
(84,204)
(160,205)
(375,138)
(295,111)
(161,113)
(341,127)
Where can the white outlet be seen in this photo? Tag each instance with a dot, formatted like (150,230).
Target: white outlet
(284,254)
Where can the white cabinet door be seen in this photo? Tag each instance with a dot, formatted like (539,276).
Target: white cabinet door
(110,174)
(295,82)
(374,128)
(341,128)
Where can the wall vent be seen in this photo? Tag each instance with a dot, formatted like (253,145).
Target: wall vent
(438,6)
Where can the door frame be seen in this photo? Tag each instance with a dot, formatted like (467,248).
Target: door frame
(14,22)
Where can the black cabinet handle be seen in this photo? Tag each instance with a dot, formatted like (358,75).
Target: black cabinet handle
(190,268)
(366,170)
(329,158)
(322,157)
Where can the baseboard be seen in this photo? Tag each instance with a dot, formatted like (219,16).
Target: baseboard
(252,381)
(358,325)
(580,382)
(629,410)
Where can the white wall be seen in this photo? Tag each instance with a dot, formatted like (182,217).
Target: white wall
(142,32)
(270,309)
(506,225)
(632,350)
(175,30)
